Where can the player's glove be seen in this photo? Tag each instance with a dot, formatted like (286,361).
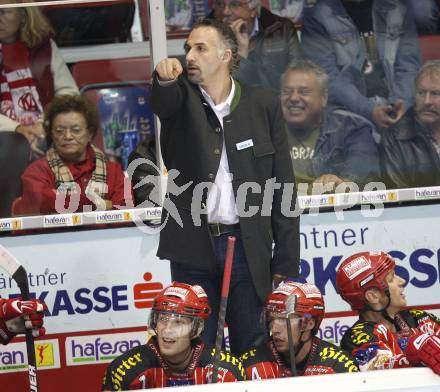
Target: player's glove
(424,349)
(16,316)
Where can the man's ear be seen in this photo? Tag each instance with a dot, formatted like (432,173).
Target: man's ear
(254,13)
(227,55)
(372,296)
(308,324)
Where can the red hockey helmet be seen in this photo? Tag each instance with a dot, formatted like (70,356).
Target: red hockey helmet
(184,300)
(360,272)
(303,299)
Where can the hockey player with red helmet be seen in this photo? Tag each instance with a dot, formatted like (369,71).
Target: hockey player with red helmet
(175,355)
(16,316)
(387,334)
(301,308)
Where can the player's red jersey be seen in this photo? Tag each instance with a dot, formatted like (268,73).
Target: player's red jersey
(265,362)
(143,367)
(375,347)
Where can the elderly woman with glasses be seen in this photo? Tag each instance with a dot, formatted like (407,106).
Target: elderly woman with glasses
(75,175)
(32,72)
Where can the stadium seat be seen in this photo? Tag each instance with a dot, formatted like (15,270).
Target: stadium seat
(91,23)
(115,70)
(430,47)
(120,89)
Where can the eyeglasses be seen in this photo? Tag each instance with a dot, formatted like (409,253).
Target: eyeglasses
(75,130)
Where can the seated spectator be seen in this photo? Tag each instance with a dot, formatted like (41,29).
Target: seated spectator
(299,307)
(174,355)
(217,10)
(266,42)
(411,148)
(387,335)
(291,9)
(327,146)
(74,176)
(425,15)
(370,50)
(32,72)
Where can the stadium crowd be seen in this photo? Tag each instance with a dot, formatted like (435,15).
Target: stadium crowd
(359,101)
(340,95)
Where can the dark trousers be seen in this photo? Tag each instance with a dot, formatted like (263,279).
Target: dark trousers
(244,306)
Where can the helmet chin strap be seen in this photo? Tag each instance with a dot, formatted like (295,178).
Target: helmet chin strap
(301,342)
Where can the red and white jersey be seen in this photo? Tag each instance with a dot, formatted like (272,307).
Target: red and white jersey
(264,362)
(375,347)
(143,367)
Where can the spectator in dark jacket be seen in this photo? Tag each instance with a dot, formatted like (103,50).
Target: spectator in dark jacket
(426,15)
(411,149)
(217,10)
(267,42)
(370,51)
(328,147)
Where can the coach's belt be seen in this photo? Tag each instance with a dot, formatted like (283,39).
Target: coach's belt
(217,229)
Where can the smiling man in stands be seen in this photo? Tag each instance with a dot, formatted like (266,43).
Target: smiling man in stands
(328,147)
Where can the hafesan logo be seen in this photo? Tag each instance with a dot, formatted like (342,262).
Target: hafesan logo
(76,219)
(13,357)
(17,224)
(103,348)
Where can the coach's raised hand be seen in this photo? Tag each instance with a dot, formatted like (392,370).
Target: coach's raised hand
(169,69)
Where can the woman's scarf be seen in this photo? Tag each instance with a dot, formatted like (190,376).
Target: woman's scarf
(18,93)
(64,180)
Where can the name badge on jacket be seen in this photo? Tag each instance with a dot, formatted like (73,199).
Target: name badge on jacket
(244,144)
